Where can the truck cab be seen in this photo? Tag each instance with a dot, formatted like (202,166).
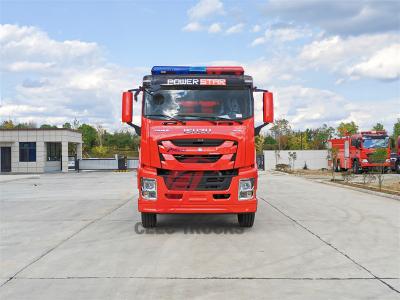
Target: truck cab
(197,152)
(354,152)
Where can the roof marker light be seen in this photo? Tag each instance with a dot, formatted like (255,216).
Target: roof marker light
(235,70)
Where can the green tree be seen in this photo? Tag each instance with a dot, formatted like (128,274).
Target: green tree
(135,142)
(47,126)
(75,124)
(347,129)
(119,139)
(7,124)
(332,158)
(379,157)
(67,125)
(100,151)
(378,127)
(25,125)
(322,135)
(298,141)
(89,136)
(396,133)
(259,142)
(281,129)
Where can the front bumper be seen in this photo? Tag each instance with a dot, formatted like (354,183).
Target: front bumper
(173,201)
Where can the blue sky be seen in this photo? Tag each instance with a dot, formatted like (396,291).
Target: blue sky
(325,61)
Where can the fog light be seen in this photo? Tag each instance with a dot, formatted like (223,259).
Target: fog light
(246,188)
(365,161)
(149,189)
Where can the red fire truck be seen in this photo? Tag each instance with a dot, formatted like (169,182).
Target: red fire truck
(354,152)
(197,152)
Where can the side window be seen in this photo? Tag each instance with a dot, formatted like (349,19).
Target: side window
(27,151)
(354,142)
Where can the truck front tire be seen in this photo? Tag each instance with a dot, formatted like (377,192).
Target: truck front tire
(246,219)
(149,220)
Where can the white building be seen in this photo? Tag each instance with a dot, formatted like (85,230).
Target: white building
(37,150)
(314,159)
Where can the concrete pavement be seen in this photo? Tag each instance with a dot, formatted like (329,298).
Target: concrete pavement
(76,236)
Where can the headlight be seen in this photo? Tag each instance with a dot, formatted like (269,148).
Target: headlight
(365,161)
(388,160)
(246,188)
(149,188)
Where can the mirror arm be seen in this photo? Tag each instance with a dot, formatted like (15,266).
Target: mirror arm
(136,127)
(256,89)
(257,129)
(137,91)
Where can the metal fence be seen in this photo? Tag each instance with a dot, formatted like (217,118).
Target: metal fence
(106,164)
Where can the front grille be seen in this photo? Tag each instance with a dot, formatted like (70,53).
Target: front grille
(183,158)
(197,180)
(197,142)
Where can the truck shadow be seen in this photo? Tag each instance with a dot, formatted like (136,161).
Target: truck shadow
(199,223)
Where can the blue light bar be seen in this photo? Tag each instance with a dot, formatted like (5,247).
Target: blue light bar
(164,70)
(160,70)
(198,70)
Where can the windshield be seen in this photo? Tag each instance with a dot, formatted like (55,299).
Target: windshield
(197,104)
(374,143)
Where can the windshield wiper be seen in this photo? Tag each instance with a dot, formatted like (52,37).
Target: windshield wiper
(168,118)
(213,119)
(200,118)
(221,118)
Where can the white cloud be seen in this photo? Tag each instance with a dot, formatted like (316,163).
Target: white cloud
(205,8)
(344,18)
(384,65)
(306,106)
(287,34)
(193,26)
(281,33)
(256,28)
(22,66)
(29,42)
(365,55)
(258,41)
(215,28)
(235,29)
(58,81)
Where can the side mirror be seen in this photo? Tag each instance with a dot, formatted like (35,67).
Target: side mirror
(127,111)
(268,107)
(127,107)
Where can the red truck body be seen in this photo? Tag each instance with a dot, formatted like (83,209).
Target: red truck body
(197,152)
(353,152)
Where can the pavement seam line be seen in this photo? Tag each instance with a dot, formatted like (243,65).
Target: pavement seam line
(330,245)
(198,278)
(65,240)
